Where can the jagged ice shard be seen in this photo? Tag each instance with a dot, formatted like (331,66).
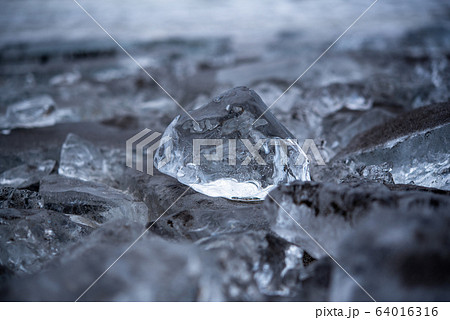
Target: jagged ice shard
(232,149)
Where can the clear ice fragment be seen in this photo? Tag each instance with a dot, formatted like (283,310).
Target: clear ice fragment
(94,201)
(36,112)
(81,159)
(421,158)
(27,174)
(232,149)
(32,237)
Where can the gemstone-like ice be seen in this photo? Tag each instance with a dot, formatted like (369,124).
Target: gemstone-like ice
(81,159)
(229,166)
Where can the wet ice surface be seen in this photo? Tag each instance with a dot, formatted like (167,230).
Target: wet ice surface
(376,105)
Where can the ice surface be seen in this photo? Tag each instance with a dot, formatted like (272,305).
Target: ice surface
(26,175)
(229,118)
(329,211)
(94,201)
(31,237)
(153,270)
(398,255)
(421,158)
(326,211)
(256,265)
(20,199)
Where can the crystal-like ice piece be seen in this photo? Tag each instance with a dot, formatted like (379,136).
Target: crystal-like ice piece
(11,197)
(84,160)
(227,165)
(68,78)
(36,112)
(33,237)
(81,159)
(255,264)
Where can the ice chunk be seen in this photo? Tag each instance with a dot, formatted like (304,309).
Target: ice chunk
(36,112)
(256,265)
(329,211)
(94,201)
(194,215)
(65,79)
(232,166)
(197,223)
(83,160)
(32,237)
(338,171)
(341,126)
(416,144)
(39,111)
(26,175)
(20,199)
(421,159)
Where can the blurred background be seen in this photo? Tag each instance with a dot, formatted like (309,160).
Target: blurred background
(395,58)
(197,49)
